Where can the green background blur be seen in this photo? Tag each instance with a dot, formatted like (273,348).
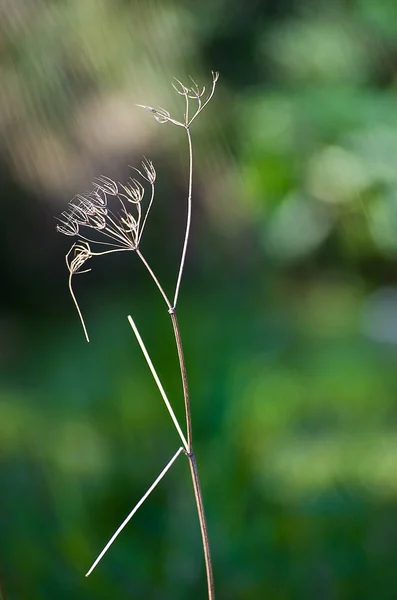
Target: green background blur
(288,307)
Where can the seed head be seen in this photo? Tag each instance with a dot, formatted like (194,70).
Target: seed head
(104,210)
(192,92)
(80,252)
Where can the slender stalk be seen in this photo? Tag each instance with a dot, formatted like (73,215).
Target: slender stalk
(182,366)
(189,217)
(192,460)
(77,307)
(203,524)
(215,77)
(153,276)
(147,213)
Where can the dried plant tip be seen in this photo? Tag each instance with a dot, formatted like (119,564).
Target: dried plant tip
(81,252)
(134,191)
(97,200)
(183,90)
(68,227)
(86,204)
(130,224)
(196,86)
(195,93)
(161,115)
(97,221)
(78,213)
(106,185)
(149,169)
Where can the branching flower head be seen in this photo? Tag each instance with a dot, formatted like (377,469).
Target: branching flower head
(192,92)
(78,254)
(109,215)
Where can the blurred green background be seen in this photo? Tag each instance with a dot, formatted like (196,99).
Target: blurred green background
(288,308)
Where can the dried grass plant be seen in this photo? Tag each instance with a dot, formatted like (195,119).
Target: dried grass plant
(112,218)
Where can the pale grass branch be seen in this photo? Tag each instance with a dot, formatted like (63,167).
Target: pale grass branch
(158,382)
(134,510)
